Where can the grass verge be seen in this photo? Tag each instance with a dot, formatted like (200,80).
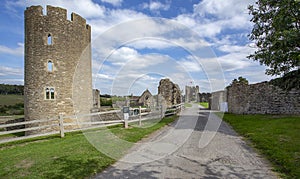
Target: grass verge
(276,137)
(187,105)
(69,157)
(204,104)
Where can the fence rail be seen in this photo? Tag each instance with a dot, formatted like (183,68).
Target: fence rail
(59,125)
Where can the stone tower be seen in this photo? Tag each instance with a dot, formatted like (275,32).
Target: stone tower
(58,74)
(191,94)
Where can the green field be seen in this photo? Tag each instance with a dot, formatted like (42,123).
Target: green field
(204,104)
(69,157)
(11,99)
(276,137)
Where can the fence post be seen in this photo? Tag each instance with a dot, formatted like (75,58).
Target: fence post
(140,116)
(61,126)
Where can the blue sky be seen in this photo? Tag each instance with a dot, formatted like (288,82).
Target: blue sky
(136,43)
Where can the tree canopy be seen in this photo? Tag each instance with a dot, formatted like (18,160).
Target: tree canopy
(240,81)
(11,89)
(276,33)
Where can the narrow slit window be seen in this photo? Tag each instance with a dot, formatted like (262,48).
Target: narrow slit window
(51,93)
(47,93)
(50,66)
(49,40)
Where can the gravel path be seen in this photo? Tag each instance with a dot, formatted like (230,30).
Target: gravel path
(199,145)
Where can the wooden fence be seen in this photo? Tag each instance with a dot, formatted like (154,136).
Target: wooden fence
(63,124)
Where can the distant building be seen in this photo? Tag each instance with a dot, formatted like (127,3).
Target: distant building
(191,94)
(146,99)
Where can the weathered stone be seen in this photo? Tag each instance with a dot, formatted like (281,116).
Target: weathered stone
(262,98)
(216,99)
(57,53)
(170,92)
(191,94)
(146,99)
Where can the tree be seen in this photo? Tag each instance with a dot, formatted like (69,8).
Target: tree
(239,81)
(276,33)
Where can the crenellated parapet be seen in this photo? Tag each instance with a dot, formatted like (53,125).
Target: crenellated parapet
(55,13)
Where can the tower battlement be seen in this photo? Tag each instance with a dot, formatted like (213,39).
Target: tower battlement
(55,13)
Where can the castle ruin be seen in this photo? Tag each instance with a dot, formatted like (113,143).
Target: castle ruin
(169,91)
(58,74)
(191,94)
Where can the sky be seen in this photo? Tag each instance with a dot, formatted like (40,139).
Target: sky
(137,43)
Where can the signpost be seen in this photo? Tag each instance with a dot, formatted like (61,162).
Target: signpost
(126,116)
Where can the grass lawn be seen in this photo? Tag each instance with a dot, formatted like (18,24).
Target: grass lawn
(69,157)
(276,137)
(204,104)
(11,99)
(187,105)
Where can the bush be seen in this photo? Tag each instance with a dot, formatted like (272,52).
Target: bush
(105,102)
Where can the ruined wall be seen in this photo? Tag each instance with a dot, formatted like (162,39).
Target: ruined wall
(262,98)
(96,98)
(57,52)
(216,100)
(191,94)
(170,92)
(146,99)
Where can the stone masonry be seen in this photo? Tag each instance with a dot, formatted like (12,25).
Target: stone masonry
(146,99)
(191,94)
(216,100)
(169,91)
(262,98)
(58,76)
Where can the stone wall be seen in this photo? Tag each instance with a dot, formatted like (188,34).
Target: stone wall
(262,98)
(170,92)
(57,62)
(146,99)
(217,99)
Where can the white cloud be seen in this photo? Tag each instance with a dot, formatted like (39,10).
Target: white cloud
(113,2)
(211,17)
(223,9)
(156,5)
(9,71)
(151,43)
(190,65)
(13,81)
(19,51)
(102,76)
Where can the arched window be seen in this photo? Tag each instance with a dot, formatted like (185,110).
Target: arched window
(49,93)
(47,90)
(50,66)
(49,40)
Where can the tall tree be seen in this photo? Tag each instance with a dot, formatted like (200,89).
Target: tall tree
(276,33)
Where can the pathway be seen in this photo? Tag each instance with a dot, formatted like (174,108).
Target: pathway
(191,149)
